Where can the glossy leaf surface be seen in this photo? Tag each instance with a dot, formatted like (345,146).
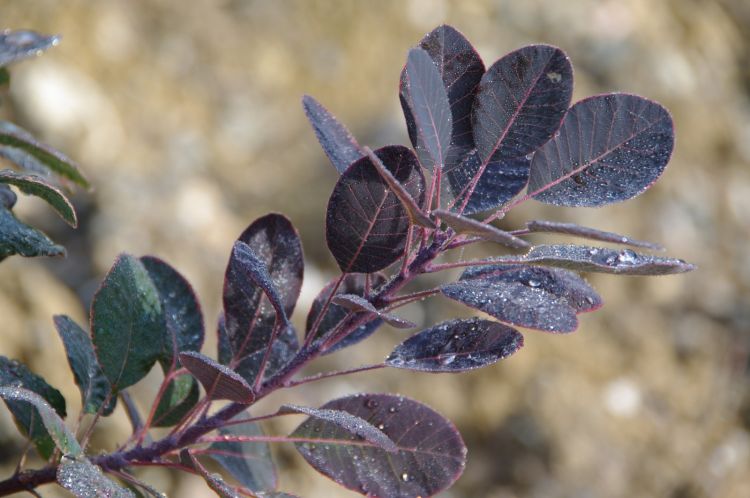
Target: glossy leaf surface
(219,381)
(180,396)
(127,323)
(33,185)
(15,374)
(16,144)
(337,142)
(521,101)
(610,149)
(85,480)
(22,44)
(18,238)
(366,224)
(182,313)
(250,463)
(55,427)
(588,233)
(431,453)
(88,375)
(456,346)
(430,109)
(490,233)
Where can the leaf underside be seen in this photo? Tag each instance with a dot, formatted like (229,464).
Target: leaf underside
(219,381)
(19,238)
(22,44)
(337,142)
(85,480)
(588,233)
(34,185)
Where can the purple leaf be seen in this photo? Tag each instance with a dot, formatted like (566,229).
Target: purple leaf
(610,148)
(588,233)
(213,480)
(22,44)
(352,284)
(350,423)
(462,224)
(360,304)
(521,101)
(34,185)
(339,145)
(85,480)
(249,315)
(283,349)
(429,107)
(219,381)
(599,259)
(456,346)
(366,224)
(431,453)
(461,69)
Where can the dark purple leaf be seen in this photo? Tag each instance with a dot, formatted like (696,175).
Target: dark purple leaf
(22,44)
(249,315)
(563,284)
(456,346)
(366,224)
(182,313)
(83,479)
(18,238)
(521,101)
(36,186)
(599,259)
(350,423)
(461,69)
(213,480)
(431,453)
(352,284)
(430,109)
(462,224)
(8,198)
(180,396)
(219,381)
(610,148)
(248,462)
(283,349)
(501,180)
(360,304)
(588,233)
(339,145)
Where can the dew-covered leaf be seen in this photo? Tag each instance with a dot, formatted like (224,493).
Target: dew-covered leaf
(338,144)
(430,109)
(92,383)
(214,480)
(250,462)
(219,381)
(456,346)
(366,224)
(55,427)
(16,144)
(430,458)
(127,322)
(8,198)
(85,480)
(22,44)
(19,238)
(15,374)
(350,423)
(33,185)
(490,233)
(182,312)
(521,101)
(610,148)
(249,315)
(357,303)
(283,349)
(460,68)
(180,396)
(599,259)
(352,284)
(588,233)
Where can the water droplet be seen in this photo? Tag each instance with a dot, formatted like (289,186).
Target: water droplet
(381,426)
(392,409)
(448,359)
(534,283)
(371,404)
(627,256)
(405,477)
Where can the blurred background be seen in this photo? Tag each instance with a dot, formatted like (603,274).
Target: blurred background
(186,117)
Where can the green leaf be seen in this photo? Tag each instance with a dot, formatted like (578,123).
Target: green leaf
(85,480)
(22,144)
(4,78)
(15,374)
(19,238)
(36,186)
(63,438)
(248,462)
(88,374)
(183,317)
(180,397)
(127,323)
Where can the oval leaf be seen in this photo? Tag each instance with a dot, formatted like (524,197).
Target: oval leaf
(338,144)
(180,396)
(456,346)
(431,453)
(22,44)
(610,149)
(85,480)
(366,224)
(430,108)
(521,101)
(33,185)
(19,238)
(587,233)
(92,383)
(219,381)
